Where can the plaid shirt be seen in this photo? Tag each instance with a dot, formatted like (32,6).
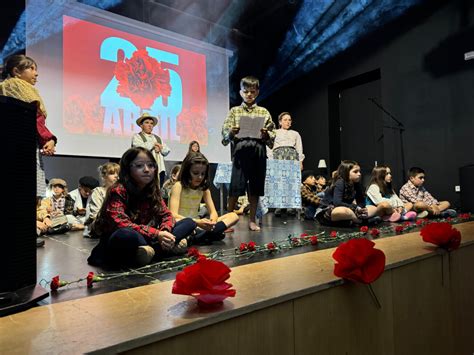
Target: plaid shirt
(233,120)
(411,193)
(308,195)
(147,224)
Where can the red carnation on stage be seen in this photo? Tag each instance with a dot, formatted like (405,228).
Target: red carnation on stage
(358,260)
(441,234)
(204,280)
(142,79)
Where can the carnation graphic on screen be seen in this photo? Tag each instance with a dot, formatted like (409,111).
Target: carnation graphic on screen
(142,79)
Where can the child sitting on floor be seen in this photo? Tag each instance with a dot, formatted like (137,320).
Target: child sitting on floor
(381,194)
(81,197)
(192,187)
(309,197)
(108,174)
(338,206)
(424,203)
(168,185)
(134,223)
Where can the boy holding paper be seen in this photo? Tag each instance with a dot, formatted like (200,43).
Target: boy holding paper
(249,156)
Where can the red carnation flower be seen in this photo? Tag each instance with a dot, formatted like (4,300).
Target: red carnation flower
(271,246)
(358,260)
(90,279)
(56,283)
(449,219)
(142,79)
(398,229)
(406,224)
(295,241)
(251,246)
(419,222)
(374,232)
(193,253)
(302,235)
(441,234)
(243,247)
(314,240)
(364,229)
(333,234)
(204,280)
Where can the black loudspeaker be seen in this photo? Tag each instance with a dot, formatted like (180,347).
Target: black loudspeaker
(18,289)
(466,180)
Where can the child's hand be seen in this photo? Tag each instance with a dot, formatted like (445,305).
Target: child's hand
(235,130)
(47,222)
(81,211)
(205,224)
(264,134)
(435,210)
(49,148)
(166,240)
(41,226)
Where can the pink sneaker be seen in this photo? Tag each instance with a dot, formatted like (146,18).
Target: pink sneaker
(409,216)
(395,217)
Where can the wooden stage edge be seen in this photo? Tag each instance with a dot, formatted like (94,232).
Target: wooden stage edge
(150,318)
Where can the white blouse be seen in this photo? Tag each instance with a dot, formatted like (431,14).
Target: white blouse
(287,138)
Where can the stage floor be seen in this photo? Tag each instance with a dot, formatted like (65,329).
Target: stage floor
(66,255)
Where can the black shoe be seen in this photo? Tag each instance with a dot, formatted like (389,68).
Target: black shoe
(39,243)
(374,220)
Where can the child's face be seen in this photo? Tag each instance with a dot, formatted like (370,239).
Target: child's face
(285,122)
(321,182)
(198,174)
(147,126)
(355,174)
(142,170)
(195,147)
(85,191)
(388,176)
(310,180)
(58,190)
(249,95)
(418,180)
(110,179)
(29,75)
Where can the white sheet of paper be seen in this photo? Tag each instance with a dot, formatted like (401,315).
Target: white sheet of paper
(250,127)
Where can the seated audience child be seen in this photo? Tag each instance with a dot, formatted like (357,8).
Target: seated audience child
(134,223)
(82,197)
(152,142)
(43,220)
(309,197)
(424,203)
(381,194)
(344,201)
(108,174)
(59,207)
(168,185)
(192,187)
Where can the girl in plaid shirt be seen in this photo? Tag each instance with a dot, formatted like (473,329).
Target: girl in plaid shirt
(134,223)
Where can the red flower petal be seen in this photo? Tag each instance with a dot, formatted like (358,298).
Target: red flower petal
(358,260)
(442,234)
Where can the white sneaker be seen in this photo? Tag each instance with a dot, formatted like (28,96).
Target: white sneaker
(423,214)
(145,254)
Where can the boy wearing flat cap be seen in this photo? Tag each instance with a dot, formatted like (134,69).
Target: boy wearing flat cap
(152,142)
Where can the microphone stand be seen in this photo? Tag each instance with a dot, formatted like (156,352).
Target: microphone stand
(400,127)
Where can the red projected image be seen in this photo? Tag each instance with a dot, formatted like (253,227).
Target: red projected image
(111,77)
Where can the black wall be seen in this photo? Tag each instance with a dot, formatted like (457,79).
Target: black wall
(425,83)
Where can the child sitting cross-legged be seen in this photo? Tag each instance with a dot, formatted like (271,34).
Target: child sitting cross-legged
(192,187)
(309,198)
(424,203)
(381,194)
